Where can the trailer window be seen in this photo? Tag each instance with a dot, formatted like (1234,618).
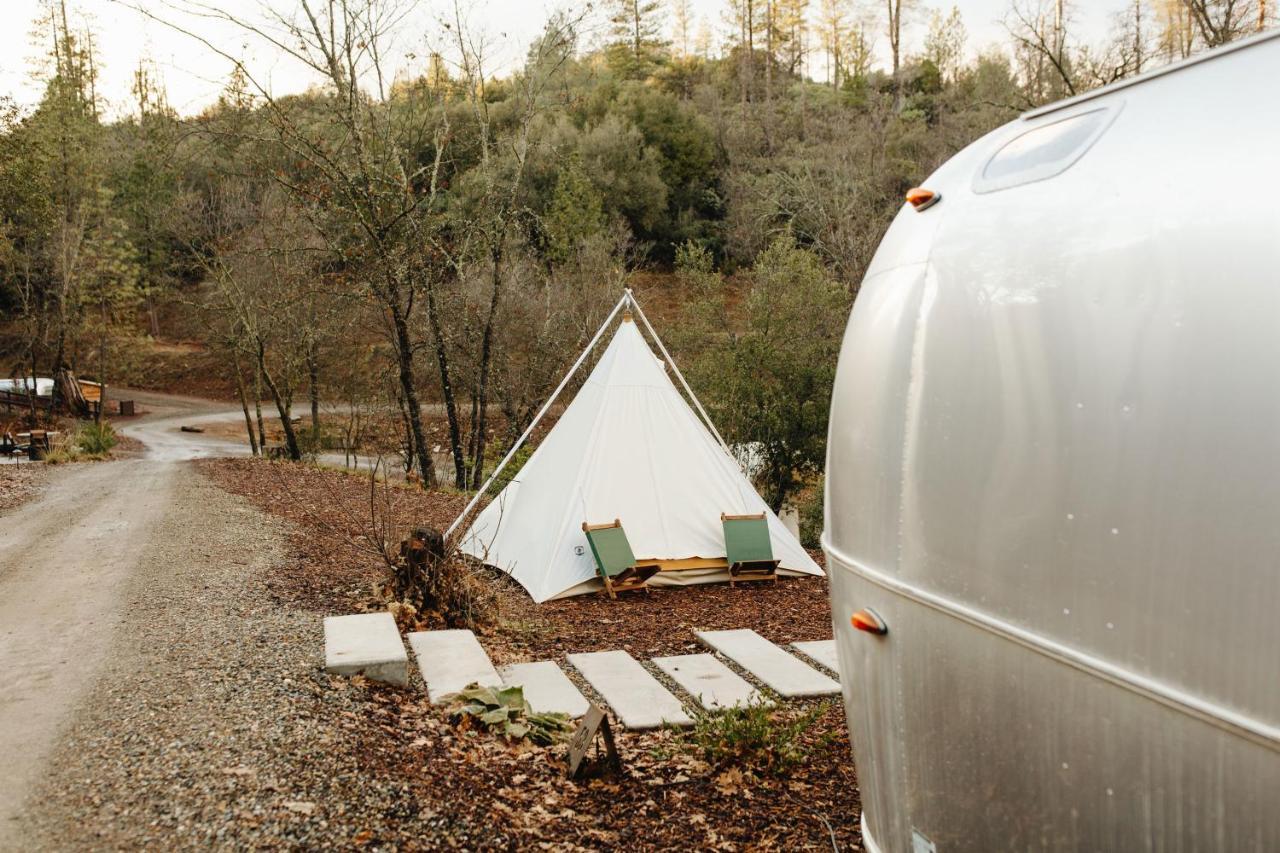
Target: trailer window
(1043,152)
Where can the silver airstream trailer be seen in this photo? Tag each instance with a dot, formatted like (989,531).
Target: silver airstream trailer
(1053,481)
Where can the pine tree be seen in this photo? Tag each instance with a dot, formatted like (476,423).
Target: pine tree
(833,30)
(791,23)
(944,45)
(682,23)
(636,45)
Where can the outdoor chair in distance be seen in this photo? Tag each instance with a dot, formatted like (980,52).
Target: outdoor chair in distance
(615,562)
(9,447)
(748,548)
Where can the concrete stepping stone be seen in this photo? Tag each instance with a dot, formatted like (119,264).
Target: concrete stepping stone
(450,661)
(820,651)
(639,699)
(546,688)
(709,681)
(366,644)
(785,674)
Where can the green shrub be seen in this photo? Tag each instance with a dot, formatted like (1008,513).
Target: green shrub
(512,470)
(811,520)
(757,736)
(504,711)
(96,439)
(89,441)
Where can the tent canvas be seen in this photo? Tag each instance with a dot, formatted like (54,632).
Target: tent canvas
(627,447)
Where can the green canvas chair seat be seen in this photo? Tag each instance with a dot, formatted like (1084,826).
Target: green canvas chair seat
(615,562)
(748,548)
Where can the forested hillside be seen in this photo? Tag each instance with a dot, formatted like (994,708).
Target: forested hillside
(439,233)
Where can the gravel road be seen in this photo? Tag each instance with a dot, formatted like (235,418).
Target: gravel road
(65,561)
(157,694)
(209,721)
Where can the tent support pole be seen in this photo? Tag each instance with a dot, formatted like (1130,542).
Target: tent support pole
(683,384)
(626,299)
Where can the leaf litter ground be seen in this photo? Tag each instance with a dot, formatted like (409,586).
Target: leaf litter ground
(465,787)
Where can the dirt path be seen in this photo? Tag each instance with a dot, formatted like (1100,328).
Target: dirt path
(161,430)
(65,560)
(81,566)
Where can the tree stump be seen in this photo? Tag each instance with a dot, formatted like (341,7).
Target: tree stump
(420,553)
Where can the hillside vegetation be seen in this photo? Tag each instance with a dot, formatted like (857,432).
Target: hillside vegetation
(440,234)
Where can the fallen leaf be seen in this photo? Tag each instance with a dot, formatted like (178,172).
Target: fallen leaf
(730,781)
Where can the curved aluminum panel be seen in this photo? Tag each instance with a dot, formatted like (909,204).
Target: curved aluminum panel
(1057,412)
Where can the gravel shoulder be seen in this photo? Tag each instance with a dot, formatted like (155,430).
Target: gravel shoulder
(211,723)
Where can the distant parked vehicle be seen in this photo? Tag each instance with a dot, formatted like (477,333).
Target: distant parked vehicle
(1053,488)
(23,385)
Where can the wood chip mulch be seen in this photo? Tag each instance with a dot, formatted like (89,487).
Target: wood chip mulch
(19,482)
(483,793)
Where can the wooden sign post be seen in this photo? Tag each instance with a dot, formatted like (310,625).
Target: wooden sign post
(595,720)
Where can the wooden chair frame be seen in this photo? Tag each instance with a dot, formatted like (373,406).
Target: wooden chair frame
(632,577)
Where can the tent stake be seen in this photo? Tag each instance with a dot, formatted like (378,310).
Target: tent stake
(627,299)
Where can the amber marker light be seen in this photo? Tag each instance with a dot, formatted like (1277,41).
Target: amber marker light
(922,199)
(868,620)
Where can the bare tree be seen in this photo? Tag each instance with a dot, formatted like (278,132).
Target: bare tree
(492,212)
(356,168)
(895,9)
(1223,21)
(1039,30)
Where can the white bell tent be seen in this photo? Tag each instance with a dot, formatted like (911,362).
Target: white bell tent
(628,447)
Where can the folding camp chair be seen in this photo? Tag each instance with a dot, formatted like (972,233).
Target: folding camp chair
(615,562)
(748,548)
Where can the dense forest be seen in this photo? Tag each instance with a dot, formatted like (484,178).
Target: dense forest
(434,243)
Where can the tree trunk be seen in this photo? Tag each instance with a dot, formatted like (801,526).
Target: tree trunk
(895,44)
(32,396)
(257,409)
(244,405)
(446,390)
(60,365)
(480,431)
(102,367)
(313,379)
(282,406)
(419,451)
(68,390)
(153,321)
(768,50)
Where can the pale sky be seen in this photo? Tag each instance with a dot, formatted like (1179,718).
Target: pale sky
(194,74)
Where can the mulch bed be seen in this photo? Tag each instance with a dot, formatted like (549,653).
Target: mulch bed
(488,794)
(19,482)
